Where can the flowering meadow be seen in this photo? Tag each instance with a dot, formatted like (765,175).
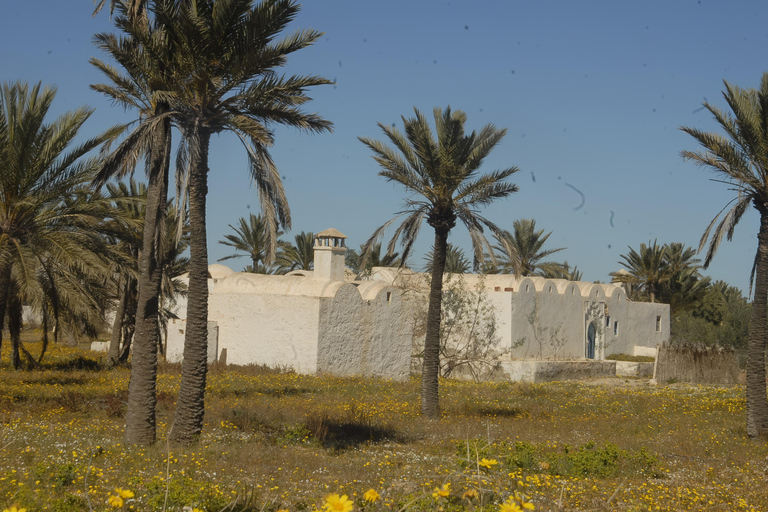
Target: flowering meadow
(276,441)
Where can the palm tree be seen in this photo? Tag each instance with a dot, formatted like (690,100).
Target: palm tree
(134,8)
(647,270)
(51,254)
(375,259)
(144,53)
(668,273)
(252,238)
(520,252)
(125,233)
(562,271)
(685,287)
(456,261)
(739,159)
(224,80)
(442,173)
(300,256)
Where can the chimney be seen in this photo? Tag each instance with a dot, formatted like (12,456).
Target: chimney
(330,251)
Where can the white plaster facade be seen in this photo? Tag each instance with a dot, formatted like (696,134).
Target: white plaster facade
(311,321)
(556,319)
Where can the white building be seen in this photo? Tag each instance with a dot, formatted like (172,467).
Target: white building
(319,322)
(313,322)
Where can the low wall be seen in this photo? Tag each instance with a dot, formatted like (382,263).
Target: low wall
(548,371)
(696,364)
(632,369)
(100,346)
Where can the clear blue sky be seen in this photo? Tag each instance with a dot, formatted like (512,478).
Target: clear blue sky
(592,95)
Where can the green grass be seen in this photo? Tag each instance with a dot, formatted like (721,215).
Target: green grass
(633,359)
(275,440)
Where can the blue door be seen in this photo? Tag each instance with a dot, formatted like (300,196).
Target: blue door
(591,335)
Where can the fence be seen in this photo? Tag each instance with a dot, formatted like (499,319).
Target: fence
(696,364)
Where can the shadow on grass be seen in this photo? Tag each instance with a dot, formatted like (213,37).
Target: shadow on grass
(500,412)
(350,431)
(57,380)
(474,409)
(78,363)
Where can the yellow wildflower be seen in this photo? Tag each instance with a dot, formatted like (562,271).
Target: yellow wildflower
(510,506)
(336,503)
(525,504)
(488,463)
(371,496)
(115,501)
(470,495)
(124,493)
(442,492)
(15,508)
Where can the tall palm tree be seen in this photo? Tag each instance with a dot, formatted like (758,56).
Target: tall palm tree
(225,80)
(252,238)
(299,256)
(520,252)
(442,173)
(51,254)
(740,160)
(144,52)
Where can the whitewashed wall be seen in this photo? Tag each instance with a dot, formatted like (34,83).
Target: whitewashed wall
(267,329)
(548,318)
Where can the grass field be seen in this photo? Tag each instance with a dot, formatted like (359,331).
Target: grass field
(275,440)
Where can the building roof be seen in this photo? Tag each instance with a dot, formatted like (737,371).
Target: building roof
(330,233)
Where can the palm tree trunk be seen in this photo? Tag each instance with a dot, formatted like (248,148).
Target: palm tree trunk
(129,324)
(757,399)
(44,340)
(430,400)
(190,407)
(117,326)
(5,278)
(14,329)
(140,426)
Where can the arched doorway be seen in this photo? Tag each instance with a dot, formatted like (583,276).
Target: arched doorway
(591,340)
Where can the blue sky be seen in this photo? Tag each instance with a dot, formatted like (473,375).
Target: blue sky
(592,94)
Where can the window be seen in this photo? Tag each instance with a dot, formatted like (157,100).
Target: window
(607,321)
(389,296)
(658,323)
(616,328)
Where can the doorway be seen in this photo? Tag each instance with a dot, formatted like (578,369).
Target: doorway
(591,340)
